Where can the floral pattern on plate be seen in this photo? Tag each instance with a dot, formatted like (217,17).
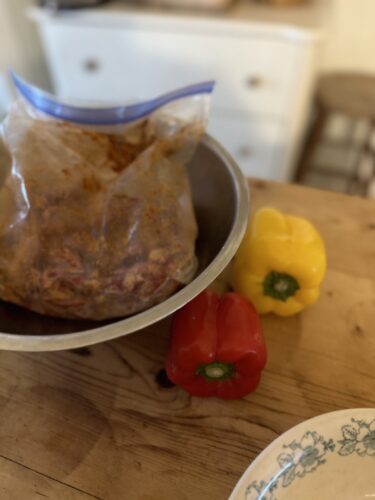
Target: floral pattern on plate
(359,437)
(312,450)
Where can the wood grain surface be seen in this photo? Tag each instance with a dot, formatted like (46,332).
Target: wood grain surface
(94,424)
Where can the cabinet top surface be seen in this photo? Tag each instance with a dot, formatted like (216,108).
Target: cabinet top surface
(303,21)
(94,424)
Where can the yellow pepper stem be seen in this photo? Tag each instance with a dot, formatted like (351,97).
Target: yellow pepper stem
(280,286)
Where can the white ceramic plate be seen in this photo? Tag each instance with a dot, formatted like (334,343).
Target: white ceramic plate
(326,458)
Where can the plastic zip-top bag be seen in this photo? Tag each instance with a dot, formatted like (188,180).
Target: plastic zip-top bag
(96,215)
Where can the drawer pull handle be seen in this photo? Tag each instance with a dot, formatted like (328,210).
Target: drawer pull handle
(245,152)
(91,65)
(254,82)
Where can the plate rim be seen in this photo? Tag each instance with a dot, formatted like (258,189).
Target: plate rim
(273,444)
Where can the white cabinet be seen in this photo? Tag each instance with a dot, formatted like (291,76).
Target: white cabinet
(116,63)
(263,81)
(254,143)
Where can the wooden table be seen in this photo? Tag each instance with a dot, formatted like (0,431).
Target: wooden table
(95,424)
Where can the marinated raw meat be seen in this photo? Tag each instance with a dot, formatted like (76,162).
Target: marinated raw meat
(95,224)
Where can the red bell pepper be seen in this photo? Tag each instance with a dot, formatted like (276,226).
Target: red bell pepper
(216,347)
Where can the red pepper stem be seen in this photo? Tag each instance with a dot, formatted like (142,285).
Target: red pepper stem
(216,370)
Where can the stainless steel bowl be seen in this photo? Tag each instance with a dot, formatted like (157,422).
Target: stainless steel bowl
(221,204)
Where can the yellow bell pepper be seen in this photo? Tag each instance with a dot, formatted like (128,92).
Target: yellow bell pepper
(280,263)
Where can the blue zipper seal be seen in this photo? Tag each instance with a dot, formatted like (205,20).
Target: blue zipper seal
(46,103)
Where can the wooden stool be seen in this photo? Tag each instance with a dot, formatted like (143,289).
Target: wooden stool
(352,95)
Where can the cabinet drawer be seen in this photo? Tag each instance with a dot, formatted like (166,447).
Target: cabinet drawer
(253,144)
(113,64)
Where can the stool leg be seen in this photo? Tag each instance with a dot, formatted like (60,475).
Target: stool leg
(365,148)
(311,143)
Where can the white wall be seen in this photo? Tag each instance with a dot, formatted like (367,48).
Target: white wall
(19,47)
(350,43)
(32,64)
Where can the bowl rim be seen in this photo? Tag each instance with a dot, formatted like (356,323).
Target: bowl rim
(122,327)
